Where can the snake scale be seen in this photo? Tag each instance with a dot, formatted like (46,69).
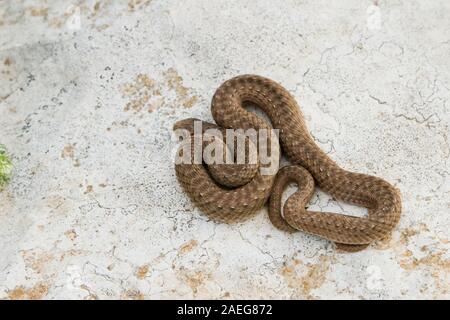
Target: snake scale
(310,166)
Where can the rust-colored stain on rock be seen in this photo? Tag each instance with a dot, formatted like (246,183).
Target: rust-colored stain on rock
(433,258)
(145,93)
(38,12)
(141,90)
(132,294)
(188,246)
(89,189)
(175,82)
(36,292)
(37,260)
(305,278)
(68,152)
(71,234)
(142,271)
(194,278)
(137,4)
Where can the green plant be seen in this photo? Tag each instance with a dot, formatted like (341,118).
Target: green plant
(5,166)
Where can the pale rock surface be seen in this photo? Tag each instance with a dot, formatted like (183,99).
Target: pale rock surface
(89,93)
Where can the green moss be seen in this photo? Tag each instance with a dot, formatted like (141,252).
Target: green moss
(5,166)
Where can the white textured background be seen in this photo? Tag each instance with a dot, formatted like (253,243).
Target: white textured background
(88,95)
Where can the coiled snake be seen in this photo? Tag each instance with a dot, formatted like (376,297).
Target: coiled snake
(234,201)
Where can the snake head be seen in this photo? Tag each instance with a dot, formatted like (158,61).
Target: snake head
(187,124)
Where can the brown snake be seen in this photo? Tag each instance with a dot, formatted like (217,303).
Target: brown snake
(310,165)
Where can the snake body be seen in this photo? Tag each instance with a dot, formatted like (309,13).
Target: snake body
(310,166)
